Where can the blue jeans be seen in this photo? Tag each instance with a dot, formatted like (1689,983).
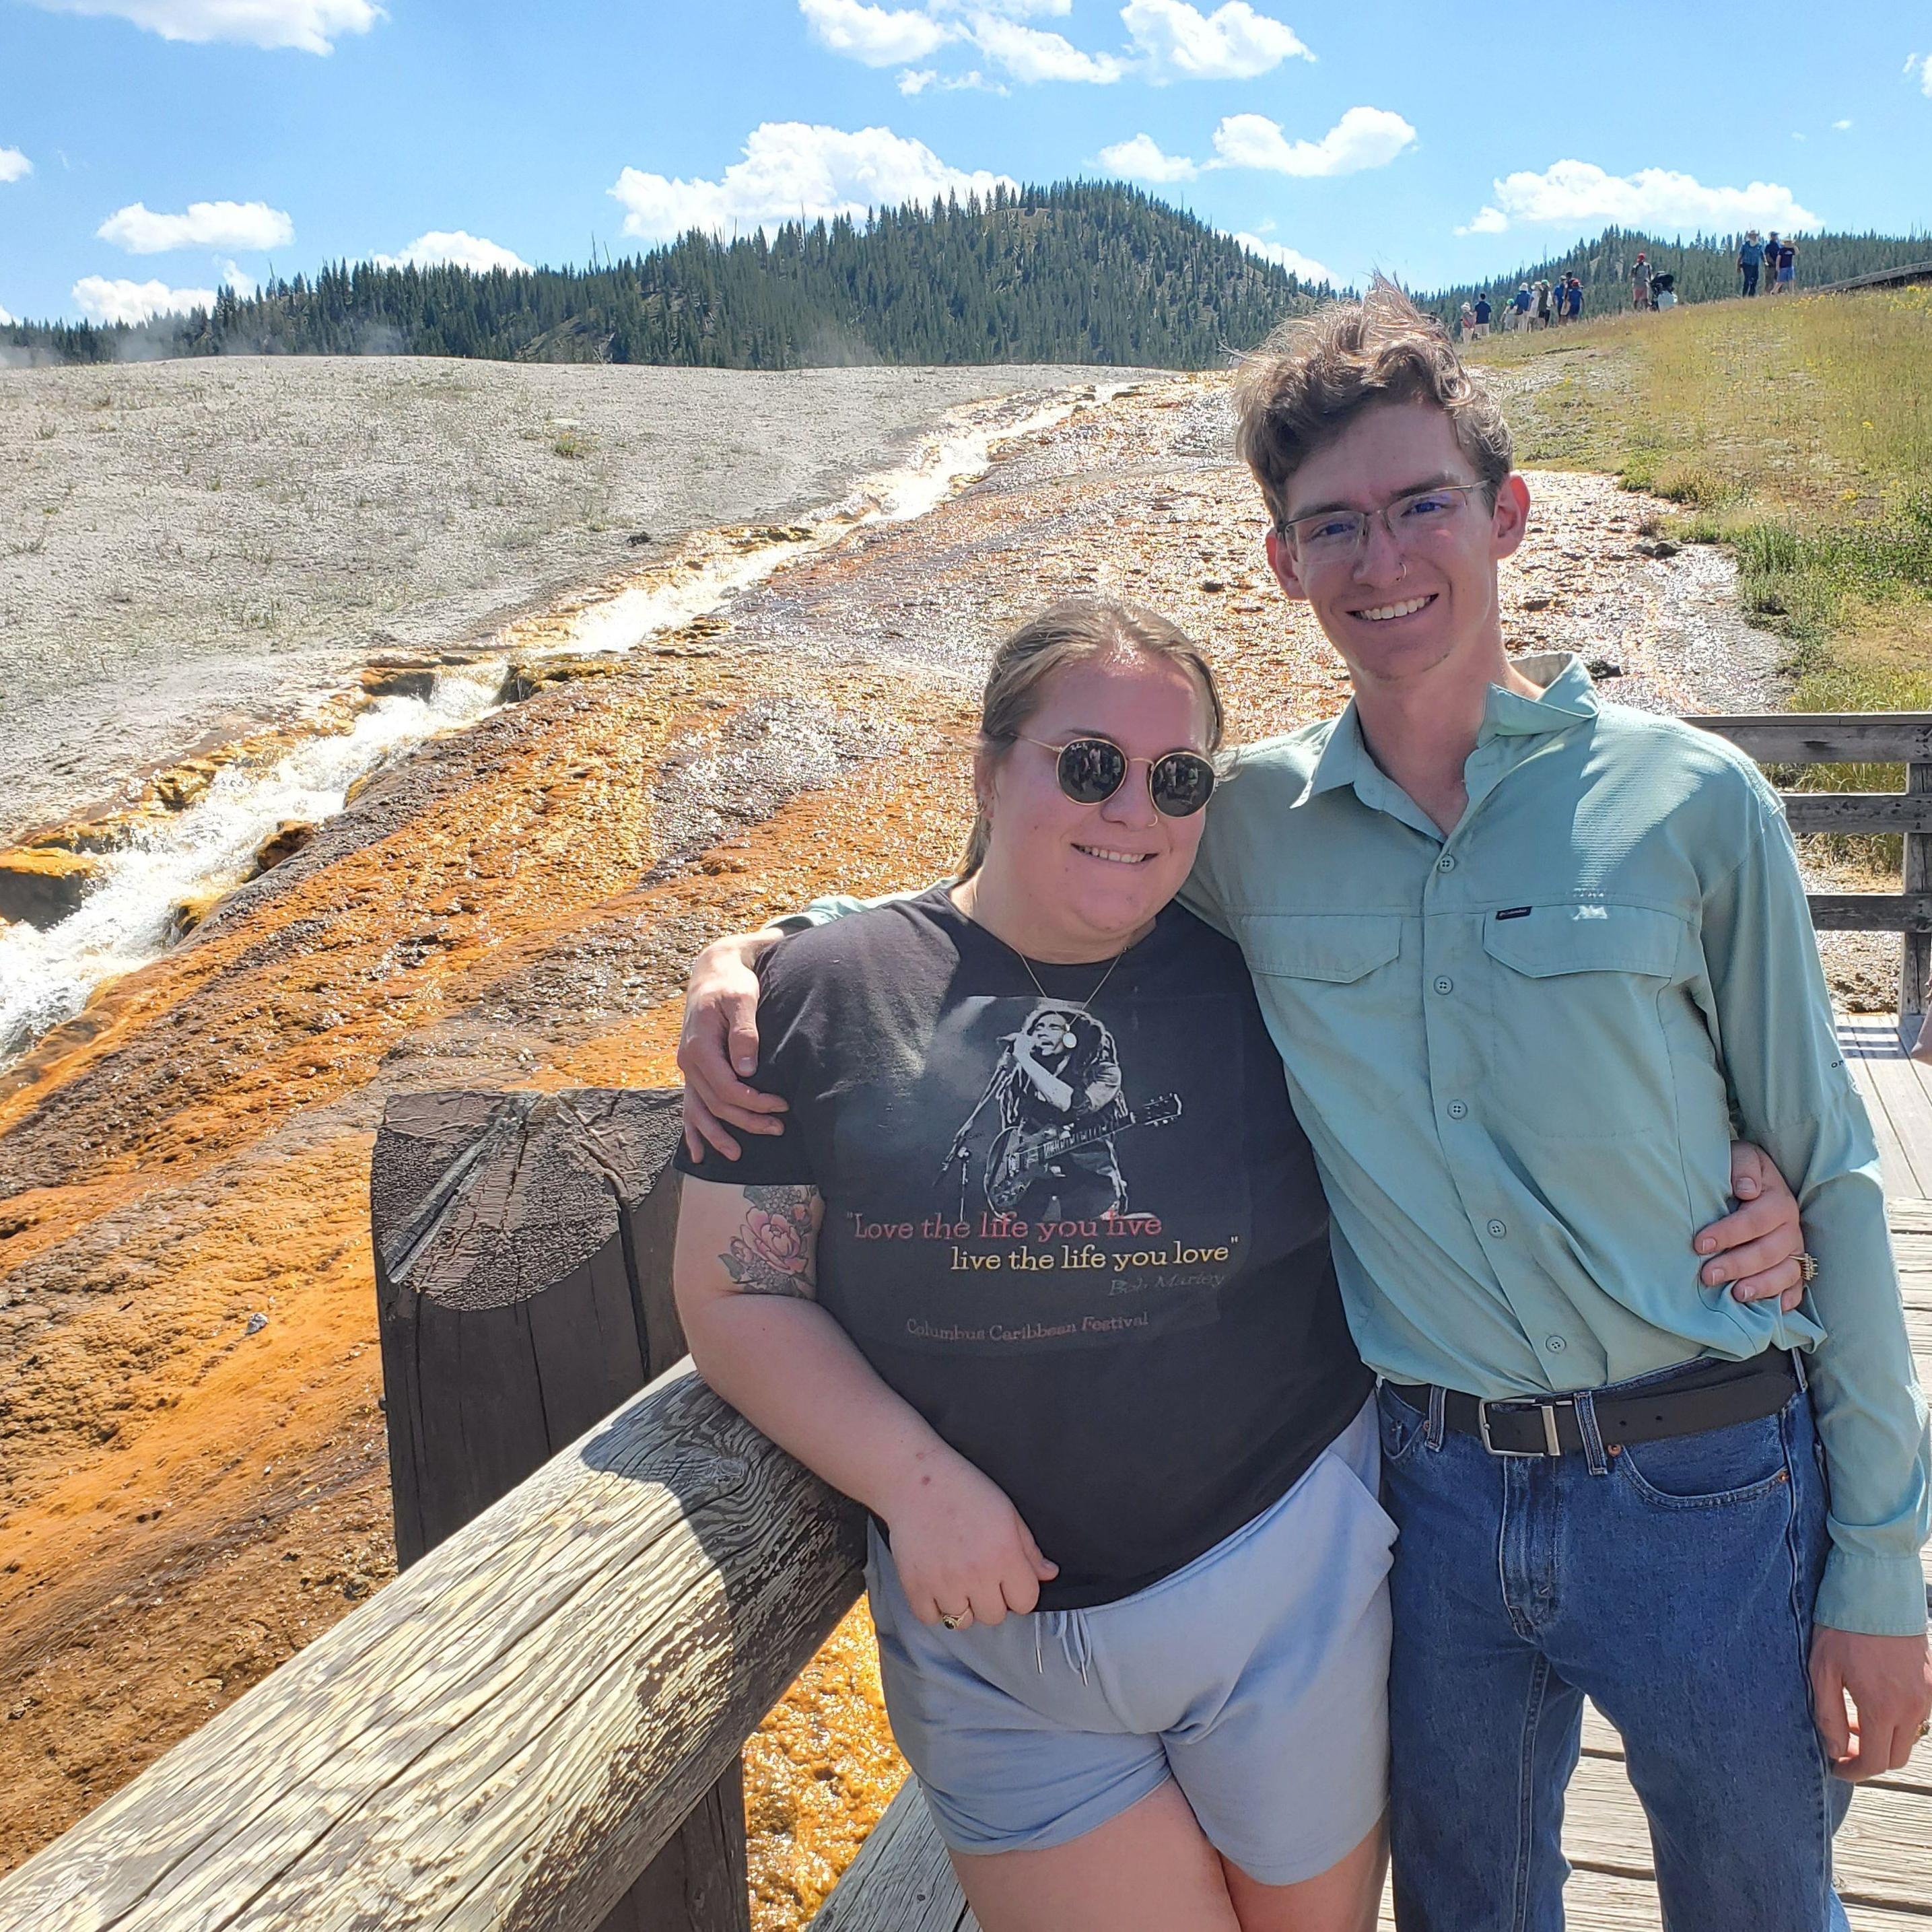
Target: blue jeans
(1672,1583)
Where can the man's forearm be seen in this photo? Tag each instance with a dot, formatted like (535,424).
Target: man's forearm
(1796,1100)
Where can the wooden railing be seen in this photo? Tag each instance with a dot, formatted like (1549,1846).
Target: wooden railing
(538,1724)
(1860,738)
(1882,278)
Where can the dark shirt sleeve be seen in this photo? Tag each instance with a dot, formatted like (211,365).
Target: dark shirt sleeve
(791,1018)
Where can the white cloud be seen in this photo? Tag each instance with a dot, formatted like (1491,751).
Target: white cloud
(239,279)
(1140,159)
(1031,54)
(1840,127)
(1573,192)
(247,225)
(1364,137)
(312,25)
(1292,260)
(1177,41)
(14,166)
(452,247)
(100,300)
(792,169)
(1918,67)
(916,80)
(6,320)
(878,36)
(1486,220)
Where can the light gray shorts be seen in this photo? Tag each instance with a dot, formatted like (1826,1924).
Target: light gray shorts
(1256,1678)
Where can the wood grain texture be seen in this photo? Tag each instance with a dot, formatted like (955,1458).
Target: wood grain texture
(1871,912)
(1828,737)
(1857,812)
(507,1735)
(1915,963)
(510,1304)
(901,1881)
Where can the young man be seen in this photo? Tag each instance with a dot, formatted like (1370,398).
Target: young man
(1527,958)
(1640,281)
(1483,312)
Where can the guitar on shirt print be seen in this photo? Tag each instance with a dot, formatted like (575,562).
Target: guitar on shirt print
(1020,1157)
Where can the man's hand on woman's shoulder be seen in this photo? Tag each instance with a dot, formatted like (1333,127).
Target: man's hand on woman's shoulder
(719,1041)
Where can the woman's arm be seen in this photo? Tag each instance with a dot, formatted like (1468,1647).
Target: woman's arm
(745,1277)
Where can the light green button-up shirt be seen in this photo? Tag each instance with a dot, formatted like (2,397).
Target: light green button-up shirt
(1519,1052)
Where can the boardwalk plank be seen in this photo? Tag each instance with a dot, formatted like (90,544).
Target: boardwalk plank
(901,1882)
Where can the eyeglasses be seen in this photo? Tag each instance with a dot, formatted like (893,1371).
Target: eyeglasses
(1090,770)
(1331,536)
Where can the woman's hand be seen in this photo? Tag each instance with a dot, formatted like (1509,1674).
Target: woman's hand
(1756,1248)
(961,1548)
(719,1041)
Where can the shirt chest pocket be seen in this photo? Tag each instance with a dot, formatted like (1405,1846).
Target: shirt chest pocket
(1332,986)
(1578,1047)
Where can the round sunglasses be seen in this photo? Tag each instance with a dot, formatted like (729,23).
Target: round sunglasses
(1090,770)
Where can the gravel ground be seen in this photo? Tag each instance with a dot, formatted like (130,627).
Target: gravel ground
(187,548)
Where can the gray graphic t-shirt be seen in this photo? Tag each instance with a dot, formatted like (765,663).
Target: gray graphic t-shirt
(1082,1235)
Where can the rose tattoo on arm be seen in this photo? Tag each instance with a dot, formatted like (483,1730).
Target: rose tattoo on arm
(772,1251)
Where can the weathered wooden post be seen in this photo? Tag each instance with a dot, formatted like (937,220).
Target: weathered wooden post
(1915,962)
(523,1273)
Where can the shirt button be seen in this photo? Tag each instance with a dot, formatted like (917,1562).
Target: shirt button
(1457,1110)
(1556,1344)
(1497,1229)
(1447,863)
(1443,984)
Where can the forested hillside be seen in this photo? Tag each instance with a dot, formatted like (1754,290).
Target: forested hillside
(1705,266)
(1083,272)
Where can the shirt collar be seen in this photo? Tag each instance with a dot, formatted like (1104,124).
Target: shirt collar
(1568,698)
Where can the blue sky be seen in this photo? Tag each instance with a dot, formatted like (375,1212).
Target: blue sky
(150,148)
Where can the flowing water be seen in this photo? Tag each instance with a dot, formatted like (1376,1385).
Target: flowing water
(129,917)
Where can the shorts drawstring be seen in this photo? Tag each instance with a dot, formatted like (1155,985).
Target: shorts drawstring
(1076,1644)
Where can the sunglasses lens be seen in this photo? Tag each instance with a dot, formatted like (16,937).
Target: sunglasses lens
(1091,770)
(1182,783)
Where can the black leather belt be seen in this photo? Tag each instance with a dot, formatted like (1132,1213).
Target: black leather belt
(1706,1395)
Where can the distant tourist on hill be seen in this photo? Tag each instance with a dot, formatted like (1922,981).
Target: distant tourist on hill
(1519,307)
(1483,312)
(1545,306)
(1663,291)
(1573,298)
(1640,281)
(1751,258)
(1787,268)
(1771,248)
(1465,323)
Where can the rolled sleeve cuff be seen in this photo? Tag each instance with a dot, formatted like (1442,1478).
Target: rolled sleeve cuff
(1873,1596)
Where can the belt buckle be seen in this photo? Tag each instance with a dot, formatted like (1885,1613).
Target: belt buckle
(1547,1410)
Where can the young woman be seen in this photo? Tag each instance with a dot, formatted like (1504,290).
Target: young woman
(1040,1272)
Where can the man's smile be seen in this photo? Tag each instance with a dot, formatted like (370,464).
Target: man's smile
(1381,613)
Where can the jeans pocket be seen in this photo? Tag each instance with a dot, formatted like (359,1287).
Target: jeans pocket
(1401,1427)
(1715,1469)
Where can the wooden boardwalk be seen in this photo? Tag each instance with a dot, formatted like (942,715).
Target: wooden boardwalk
(1884,1849)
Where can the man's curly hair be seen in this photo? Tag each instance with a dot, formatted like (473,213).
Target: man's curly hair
(1314,376)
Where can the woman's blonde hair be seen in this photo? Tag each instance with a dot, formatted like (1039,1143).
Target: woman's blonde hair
(1075,631)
